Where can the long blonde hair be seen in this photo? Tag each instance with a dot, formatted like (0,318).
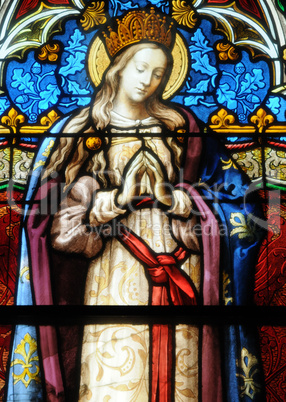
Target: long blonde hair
(103,104)
(99,114)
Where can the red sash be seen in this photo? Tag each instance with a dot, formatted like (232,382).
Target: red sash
(164,273)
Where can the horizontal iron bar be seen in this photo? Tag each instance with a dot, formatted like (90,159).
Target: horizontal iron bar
(251,135)
(196,315)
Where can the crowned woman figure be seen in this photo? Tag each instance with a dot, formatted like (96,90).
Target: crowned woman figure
(138,228)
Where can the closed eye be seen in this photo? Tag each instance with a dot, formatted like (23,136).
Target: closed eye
(158,73)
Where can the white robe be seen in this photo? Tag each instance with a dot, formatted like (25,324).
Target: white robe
(115,358)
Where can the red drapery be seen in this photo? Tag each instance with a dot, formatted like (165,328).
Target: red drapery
(165,274)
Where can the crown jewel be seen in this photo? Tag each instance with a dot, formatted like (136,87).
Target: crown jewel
(137,26)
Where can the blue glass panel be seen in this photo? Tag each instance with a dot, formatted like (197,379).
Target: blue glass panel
(72,69)
(277,105)
(243,86)
(4,104)
(32,86)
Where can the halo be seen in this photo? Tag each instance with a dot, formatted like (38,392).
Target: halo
(98,62)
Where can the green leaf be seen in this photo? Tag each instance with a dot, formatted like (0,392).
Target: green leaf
(280,5)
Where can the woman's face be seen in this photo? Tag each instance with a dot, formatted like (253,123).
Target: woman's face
(142,75)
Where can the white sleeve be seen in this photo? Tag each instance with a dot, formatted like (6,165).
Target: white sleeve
(104,208)
(182,205)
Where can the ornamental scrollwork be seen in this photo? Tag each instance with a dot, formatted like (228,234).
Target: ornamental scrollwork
(22,162)
(226,51)
(24,274)
(4,163)
(49,52)
(45,155)
(250,162)
(93,15)
(184,14)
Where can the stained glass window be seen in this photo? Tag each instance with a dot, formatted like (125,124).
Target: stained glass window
(142,200)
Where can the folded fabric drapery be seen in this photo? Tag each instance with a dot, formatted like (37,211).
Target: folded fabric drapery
(169,286)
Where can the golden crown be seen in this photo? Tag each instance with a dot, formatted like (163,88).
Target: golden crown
(136,26)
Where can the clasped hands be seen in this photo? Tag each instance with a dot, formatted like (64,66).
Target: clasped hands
(142,163)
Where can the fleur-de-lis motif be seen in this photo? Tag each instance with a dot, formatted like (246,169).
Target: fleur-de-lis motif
(222,119)
(242,227)
(262,119)
(93,15)
(13,119)
(45,123)
(31,369)
(49,119)
(249,365)
(184,14)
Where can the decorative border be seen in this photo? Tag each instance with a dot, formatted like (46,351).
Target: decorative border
(222,122)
